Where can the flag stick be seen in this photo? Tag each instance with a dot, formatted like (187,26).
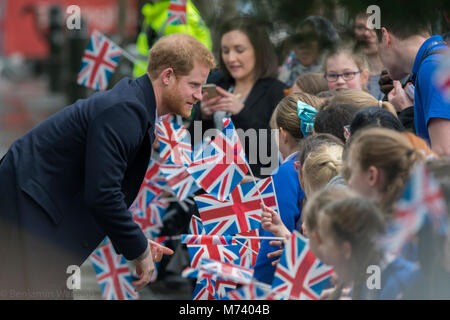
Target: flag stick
(247,247)
(254,180)
(178,237)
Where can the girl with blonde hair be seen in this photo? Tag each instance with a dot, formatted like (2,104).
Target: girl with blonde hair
(320,166)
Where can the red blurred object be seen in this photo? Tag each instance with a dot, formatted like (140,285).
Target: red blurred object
(26,21)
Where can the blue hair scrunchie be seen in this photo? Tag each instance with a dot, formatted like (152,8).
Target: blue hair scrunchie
(307,115)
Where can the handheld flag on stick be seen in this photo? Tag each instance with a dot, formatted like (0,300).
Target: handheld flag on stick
(208,239)
(241,212)
(113,274)
(220,166)
(174,143)
(299,274)
(100,59)
(422,203)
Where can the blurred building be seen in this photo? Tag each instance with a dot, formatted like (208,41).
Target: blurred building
(26,23)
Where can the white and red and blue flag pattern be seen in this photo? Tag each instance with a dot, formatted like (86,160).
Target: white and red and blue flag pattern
(99,61)
(226,271)
(150,219)
(241,212)
(113,274)
(208,239)
(196,226)
(146,195)
(197,252)
(252,291)
(174,143)
(154,175)
(177,12)
(179,179)
(422,203)
(299,274)
(205,289)
(220,166)
(249,247)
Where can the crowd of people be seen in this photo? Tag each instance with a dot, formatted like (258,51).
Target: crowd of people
(349,133)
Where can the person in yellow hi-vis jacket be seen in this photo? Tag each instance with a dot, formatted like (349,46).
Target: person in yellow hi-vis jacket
(156,21)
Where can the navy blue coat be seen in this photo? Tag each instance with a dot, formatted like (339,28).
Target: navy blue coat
(69,182)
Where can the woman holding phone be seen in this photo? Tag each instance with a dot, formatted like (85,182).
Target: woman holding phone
(247,91)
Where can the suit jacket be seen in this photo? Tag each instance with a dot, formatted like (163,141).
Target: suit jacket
(70,181)
(256,114)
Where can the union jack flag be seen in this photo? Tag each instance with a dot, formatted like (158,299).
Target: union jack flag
(249,291)
(170,117)
(241,212)
(179,179)
(299,274)
(197,252)
(196,226)
(207,239)
(249,248)
(205,290)
(177,12)
(99,62)
(174,143)
(150,219)
(146,195)
(220,166)
(154,175)
(223,287)
(226,271)
(422,203)
(157,210)
(113,274)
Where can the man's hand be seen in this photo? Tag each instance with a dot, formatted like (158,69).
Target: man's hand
(398,97)
(146,266)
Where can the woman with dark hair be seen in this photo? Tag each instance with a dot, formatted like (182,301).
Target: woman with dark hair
(375,117)
(248,91)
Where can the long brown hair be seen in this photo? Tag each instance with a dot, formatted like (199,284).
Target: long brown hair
(389,151)
(285,114)
(357,221)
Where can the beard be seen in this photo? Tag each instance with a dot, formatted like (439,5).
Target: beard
(175,103)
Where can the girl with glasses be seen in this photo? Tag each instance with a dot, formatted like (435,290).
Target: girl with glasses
(346,69)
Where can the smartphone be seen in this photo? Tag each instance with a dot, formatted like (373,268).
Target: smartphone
(211,89)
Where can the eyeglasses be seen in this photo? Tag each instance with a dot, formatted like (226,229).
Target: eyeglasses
(297,166)
(347,76)
(347,132)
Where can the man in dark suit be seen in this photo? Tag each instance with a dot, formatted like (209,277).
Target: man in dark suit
(69,182)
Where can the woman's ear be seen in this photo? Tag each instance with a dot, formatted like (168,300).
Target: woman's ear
(347,250)
(283,135)
(373,176)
